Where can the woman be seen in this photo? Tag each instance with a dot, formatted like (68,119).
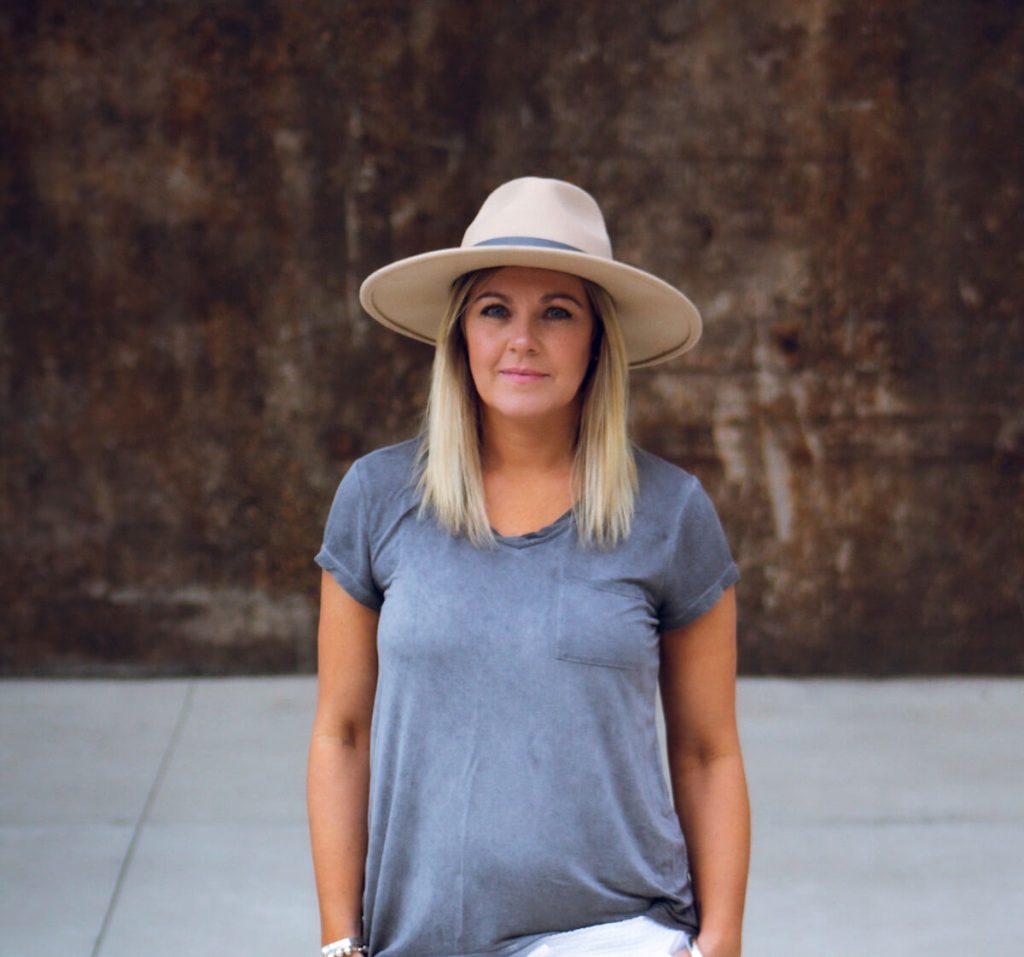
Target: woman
(500,600)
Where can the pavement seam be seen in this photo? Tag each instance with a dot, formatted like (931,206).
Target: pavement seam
(154,788)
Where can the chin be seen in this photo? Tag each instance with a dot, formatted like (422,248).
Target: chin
(530,413)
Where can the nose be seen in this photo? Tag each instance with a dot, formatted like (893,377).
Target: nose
(522,334)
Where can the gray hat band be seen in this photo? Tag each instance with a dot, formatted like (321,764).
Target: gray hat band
(527,241)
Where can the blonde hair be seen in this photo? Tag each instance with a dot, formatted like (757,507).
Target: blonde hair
(604,471)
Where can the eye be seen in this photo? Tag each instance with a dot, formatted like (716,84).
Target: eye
(494,309)
(557,312)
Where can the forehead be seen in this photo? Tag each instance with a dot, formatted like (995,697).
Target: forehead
(528,280)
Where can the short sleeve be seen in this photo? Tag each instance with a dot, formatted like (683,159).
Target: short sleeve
(347,547)
(700,566)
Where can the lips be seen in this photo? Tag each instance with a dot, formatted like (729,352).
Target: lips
(522,375)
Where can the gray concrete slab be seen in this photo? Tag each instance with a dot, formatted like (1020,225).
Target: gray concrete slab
(78,762)
(889,810)
(224,853)
(241,753)
(884,751)
(167,817)
(217,888)
(83,751)
(56,883)
(905,889)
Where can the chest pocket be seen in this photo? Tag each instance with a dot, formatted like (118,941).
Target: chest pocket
(605,623)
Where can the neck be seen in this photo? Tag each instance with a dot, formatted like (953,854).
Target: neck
(528,446)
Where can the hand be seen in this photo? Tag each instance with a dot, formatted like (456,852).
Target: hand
(690,950)
(703,947)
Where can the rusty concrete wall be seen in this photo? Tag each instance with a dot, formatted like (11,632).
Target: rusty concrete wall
(192,192)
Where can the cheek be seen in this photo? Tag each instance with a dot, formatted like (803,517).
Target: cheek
(478,354)
(476,350)
(476,338)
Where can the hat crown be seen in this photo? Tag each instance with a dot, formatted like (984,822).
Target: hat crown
(549,210)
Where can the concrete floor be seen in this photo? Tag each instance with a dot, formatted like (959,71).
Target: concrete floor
(166,818)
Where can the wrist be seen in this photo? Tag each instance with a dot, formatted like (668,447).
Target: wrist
(342,936)
(338,926)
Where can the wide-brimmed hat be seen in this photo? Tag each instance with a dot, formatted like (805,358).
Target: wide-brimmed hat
(547,224)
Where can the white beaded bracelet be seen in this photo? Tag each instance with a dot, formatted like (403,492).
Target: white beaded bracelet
(344,947)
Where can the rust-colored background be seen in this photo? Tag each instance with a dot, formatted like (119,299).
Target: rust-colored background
(192,192)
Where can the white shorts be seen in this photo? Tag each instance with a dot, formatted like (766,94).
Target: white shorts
(635,937)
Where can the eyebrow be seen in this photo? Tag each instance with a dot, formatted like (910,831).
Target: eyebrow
(549,297)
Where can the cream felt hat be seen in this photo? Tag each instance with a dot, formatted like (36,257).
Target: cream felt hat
(547,224)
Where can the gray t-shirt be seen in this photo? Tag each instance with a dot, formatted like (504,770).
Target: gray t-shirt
(516,786)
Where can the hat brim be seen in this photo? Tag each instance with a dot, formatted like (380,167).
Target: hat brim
(409,296)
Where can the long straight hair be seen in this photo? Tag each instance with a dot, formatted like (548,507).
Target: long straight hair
(604,472)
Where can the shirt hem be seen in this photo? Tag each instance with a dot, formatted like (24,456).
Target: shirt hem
(347,580)
(707,600)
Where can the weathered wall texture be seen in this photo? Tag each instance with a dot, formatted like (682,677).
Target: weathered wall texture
(192,192)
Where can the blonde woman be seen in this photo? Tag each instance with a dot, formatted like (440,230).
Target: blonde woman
(501,599)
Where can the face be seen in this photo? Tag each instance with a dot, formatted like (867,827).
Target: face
(529,334)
